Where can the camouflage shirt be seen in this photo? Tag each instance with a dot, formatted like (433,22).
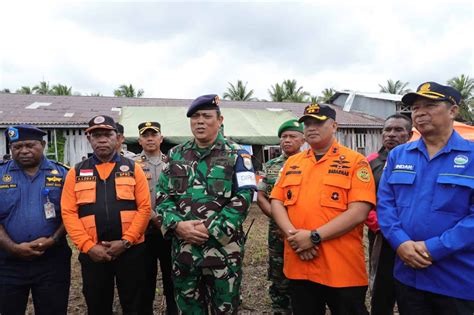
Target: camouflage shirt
(271,169)
(214,185)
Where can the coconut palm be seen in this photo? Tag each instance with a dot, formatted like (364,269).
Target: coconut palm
(288,91)
(277,93)
(42,88)
(397,87)
(326,95)
(60,89)
(24,90)
(238,92)
(128,91)
(465,86)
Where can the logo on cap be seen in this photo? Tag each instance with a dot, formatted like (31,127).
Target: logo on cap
(312,109)
(425,88)
(99,120)
(147,124)
(216,100)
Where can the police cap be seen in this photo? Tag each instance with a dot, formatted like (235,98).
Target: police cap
(320,112)
(433,91)
(153,125)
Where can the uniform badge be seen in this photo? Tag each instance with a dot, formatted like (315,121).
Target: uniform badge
(148,124)
(335,196)
(461,159)
(99,120)
(7,178)
(124,168)
(13,133)
(54,172)
(363,174)
(86,172)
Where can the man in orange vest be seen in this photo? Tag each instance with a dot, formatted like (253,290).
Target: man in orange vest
(320,202)
(106,208)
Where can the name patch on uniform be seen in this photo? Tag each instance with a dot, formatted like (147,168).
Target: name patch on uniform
(245,179)
(86,172)
(6,186)
(338,171)
(406,167)
(292,172)
(124,174)
(85,179)
(53,181)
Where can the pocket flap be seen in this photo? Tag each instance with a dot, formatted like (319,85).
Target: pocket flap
(291,180)
(338,181)
(125,180)
(84,185)
(402,177)
(455,179)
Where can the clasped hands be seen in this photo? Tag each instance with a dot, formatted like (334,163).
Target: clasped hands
(300,241)
(415,254)
(192,231)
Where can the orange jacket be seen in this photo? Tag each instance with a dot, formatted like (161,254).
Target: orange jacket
(314,193)
(80,209)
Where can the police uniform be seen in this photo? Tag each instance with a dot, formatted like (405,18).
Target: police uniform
(214,185)
(156,246)
(314,191)
(107,201)
(29,210)
(432,200)
(278,289)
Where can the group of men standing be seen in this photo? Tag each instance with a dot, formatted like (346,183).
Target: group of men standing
(187,210)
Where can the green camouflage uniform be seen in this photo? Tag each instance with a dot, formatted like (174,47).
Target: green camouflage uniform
(214,185)
(279,292)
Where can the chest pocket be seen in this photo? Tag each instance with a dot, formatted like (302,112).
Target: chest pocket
(334,191)
(219,181)
(453,194)
(125,187)
(291,187)
(178,178)
(85,192)
(10,198)
(403,184)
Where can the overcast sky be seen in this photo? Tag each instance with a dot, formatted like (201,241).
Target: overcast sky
(185,49)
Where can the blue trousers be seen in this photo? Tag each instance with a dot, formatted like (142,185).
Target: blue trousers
(48,277)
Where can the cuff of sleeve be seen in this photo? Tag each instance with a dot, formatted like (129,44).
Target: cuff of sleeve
(398,238)
(87,246)
(436,249)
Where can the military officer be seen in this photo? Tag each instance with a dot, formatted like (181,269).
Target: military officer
(206,191)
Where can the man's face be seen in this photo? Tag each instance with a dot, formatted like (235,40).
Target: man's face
(319,134)
(103,141)
(27,153)
(291,141)
(432,117)
(150,140)
(205,125)
(120,140)
(395,132)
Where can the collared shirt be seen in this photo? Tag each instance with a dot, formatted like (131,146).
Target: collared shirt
(22,200)
(152,168)
(432,200)
(316,192)
(271,169)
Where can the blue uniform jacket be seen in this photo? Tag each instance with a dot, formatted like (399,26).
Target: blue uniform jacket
(22,200)
(433,201)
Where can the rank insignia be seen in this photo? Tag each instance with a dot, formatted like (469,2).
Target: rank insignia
(6,178)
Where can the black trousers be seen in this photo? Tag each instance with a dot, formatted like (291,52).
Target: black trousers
(48,277)
(157,248)
(98,281)
(412,301)
(311,298)
(383,292)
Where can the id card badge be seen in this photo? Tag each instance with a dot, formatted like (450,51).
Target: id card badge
(49,210)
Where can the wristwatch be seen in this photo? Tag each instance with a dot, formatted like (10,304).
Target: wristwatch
(126,244)
(315,237)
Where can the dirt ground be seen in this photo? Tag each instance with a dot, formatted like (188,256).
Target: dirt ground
(254,287)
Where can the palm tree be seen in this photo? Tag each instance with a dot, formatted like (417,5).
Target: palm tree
(326,95)
(397,87)
(128,91)
(24,90)
(277,93)
(6,91)
(95,94)
(238,92)
(60,89)
(465,86)
(288,92)
(42,88)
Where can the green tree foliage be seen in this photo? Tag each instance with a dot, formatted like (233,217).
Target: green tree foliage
(465,86)
(397,87)
(6,91)
(288,91)
(128,91)
(60,89)
(239,92)
(24,90)
(42,88)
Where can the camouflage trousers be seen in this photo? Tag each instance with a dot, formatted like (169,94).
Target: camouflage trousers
(279,287)
(197,288)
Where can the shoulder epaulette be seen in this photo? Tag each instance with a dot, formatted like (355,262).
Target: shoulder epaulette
(67,167)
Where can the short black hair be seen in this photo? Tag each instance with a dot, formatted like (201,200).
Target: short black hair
(120,128)
(409,124)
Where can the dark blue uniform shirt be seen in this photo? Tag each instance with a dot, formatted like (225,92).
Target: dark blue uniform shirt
(433,201)
(22,200)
